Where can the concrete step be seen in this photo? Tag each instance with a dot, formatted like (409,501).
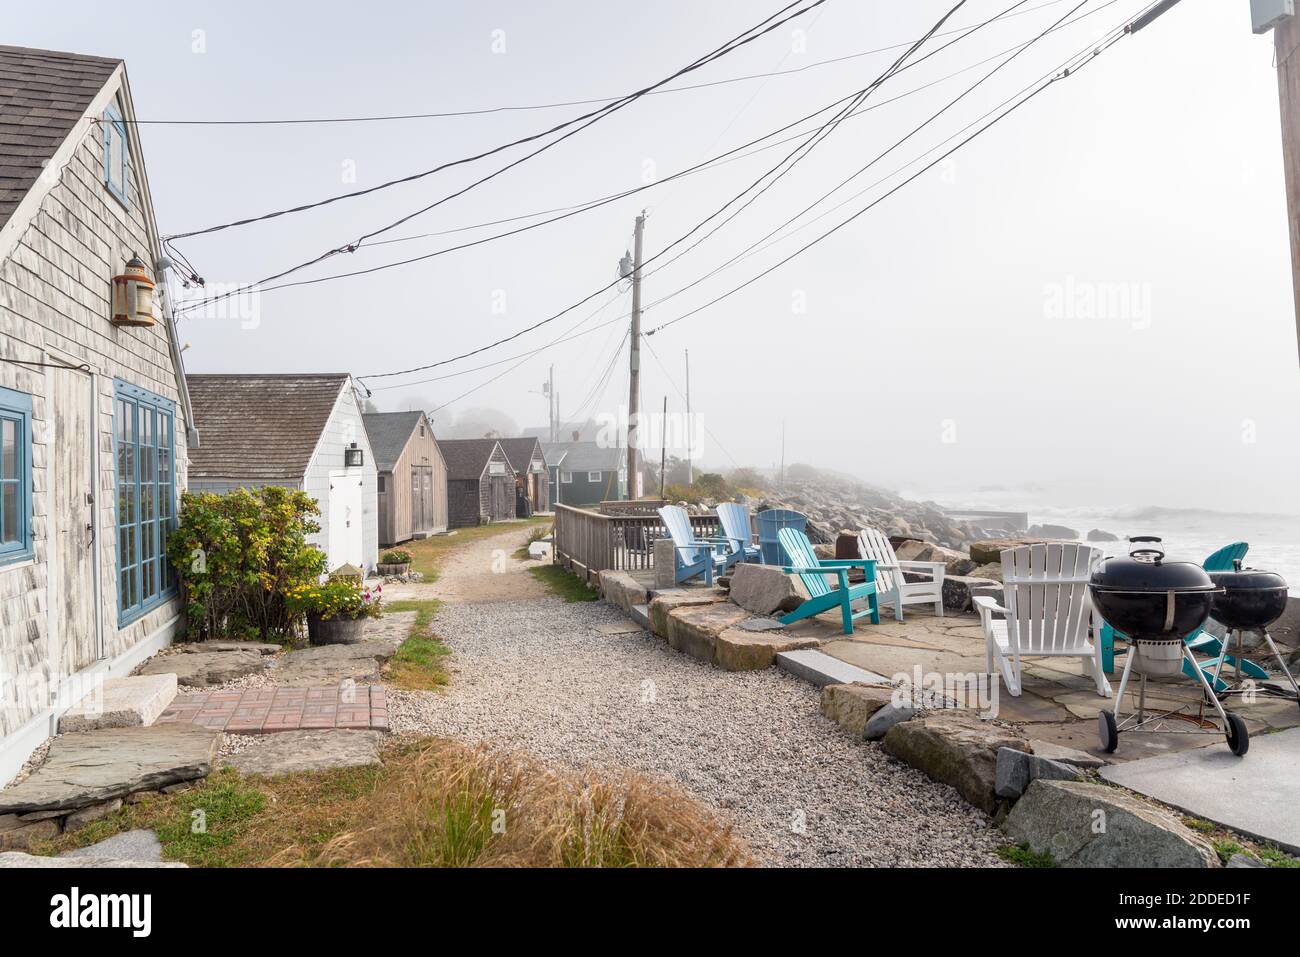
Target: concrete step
(821,669)
(121,703)
(641,615)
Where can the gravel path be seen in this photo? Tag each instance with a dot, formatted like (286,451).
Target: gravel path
(537,675)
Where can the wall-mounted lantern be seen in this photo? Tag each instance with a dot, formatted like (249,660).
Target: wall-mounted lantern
(352,456)
(133,296)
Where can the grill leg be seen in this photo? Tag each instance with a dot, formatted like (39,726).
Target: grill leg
(1205,686)
(1123,683)
(1282,664)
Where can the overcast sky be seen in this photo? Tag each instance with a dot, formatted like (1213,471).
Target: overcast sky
(1093,298)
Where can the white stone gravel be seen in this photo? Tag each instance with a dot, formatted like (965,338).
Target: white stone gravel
(535,675)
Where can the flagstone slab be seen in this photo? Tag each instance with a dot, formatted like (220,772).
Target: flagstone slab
(1254,795)
(362,661)
(821,669)
(203,669)
(309,750)
(94,767)
(16,859)
(141,845)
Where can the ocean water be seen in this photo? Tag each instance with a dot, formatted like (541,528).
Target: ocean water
(1188,534)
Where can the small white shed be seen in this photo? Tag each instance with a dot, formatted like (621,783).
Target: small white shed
(299,431)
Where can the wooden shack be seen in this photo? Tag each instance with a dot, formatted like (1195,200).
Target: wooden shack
(480,482)
(412,476)
(531,479)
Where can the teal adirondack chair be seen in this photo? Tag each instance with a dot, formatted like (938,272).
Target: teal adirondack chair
(694,556)
(811,571)
(736,530)
(1202,641)
(770,522)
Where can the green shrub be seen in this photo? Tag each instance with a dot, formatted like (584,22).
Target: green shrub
(395,557)
(239,554)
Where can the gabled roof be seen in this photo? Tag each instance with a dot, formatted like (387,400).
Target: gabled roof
(585,456)
(521,452)
(260,426)
(389,432)
(42,96)
(467,458)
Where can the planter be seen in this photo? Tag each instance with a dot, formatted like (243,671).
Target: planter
(393,571)
(334,631)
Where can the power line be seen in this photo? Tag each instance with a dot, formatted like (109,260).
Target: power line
(662,252)
(558,104)
(580,122)
(1063,74)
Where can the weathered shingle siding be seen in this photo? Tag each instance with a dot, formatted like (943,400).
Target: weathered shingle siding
(55,293)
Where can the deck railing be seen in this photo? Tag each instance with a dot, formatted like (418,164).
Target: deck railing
(589,542)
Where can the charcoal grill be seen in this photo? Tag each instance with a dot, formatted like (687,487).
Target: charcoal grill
(1251,601)
(1157,604)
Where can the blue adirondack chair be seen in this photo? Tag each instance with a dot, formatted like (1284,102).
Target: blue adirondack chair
(1202,641)
(811,571)
(694,556)
(769,523)
(736,530)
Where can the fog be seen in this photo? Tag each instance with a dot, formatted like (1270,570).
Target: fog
(1090,303)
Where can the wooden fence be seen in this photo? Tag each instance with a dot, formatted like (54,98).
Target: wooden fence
(589,542)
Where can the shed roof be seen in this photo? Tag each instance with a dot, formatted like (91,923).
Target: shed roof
(260,426)
(585,456)
(43,94)
(467,458)
(389,432)
(521,451)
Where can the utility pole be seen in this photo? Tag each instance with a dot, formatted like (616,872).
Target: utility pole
(634,376)
(1279,16)
(663,449)
(690,424)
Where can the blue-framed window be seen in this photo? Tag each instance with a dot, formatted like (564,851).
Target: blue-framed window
(116,155)
(15,476)
(144,443)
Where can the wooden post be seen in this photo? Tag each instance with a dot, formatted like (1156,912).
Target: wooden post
(1286,38)
(634,377)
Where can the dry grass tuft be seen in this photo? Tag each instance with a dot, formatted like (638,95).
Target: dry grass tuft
(444,804)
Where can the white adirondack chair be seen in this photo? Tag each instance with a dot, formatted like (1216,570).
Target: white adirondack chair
(891,587)
(1048,611)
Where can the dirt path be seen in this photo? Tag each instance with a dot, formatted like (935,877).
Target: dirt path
(481,571)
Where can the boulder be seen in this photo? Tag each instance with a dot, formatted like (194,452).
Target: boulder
(1097,535)
(1065,755)
(1091,825)
(1053,531)
(665,602)
(694,629)
(959,589)
(851,706)
(954,562)
(988,551)
(1015,769)
(622,590)
(765,589)
(955,749)
(141,846)
(203,669)
(878,724)
(992,571)
(744,649)
(911,550)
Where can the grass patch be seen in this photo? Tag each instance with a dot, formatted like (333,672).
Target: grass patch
(1225,849)
(1022,856)
(564,584)
(1274,856)
(428,554)
(536,535)
(431,803)
(1197,824)
(418,664)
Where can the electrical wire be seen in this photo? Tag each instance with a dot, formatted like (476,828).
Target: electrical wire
(580,122)
(551,105)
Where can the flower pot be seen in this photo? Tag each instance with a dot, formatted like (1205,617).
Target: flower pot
(334,631)
(393,571)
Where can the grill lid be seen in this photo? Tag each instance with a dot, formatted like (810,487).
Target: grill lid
(1145,571)
(1248,579)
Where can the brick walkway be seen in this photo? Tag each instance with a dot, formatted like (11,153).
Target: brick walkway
(262,710)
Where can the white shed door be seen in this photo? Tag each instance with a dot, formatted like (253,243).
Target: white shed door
(345,541)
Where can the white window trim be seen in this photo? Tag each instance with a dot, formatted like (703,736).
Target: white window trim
(566,478)
(595,476)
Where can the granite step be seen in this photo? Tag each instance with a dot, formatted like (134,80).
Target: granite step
(821,669)
(121,703)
